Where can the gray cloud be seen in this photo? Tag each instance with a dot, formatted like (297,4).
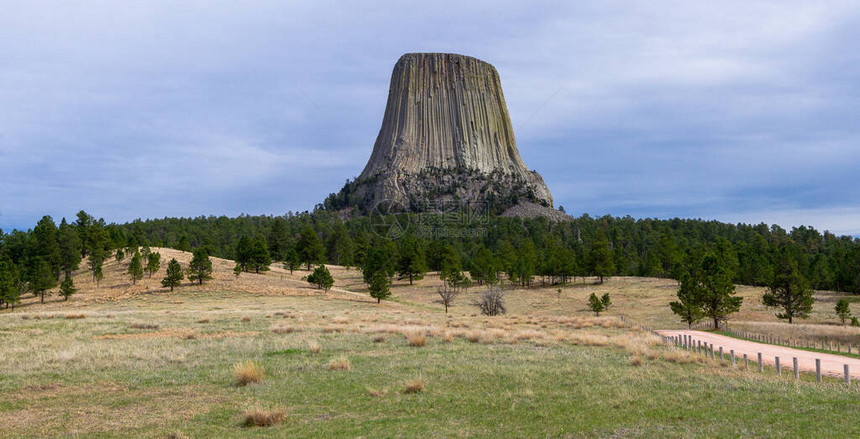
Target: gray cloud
(730,111)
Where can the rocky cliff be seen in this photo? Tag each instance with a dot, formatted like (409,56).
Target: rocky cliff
(446,136)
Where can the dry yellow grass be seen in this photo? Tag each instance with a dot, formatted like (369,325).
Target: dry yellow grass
(264,418)
(379,339)
(416,339)
(314,347)
(377,393)
(473,337)
(280,328)
(75,316)
(414,386)
(248,372)
(340,363)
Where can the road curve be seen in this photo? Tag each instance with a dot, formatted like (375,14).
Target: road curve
(831,365)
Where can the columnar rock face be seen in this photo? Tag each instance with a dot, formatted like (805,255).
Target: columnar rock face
(446,134)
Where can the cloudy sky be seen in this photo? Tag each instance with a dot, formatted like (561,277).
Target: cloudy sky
(716,110)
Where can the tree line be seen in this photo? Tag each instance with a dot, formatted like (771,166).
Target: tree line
(522,251)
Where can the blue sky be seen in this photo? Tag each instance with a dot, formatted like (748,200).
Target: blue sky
(718,110)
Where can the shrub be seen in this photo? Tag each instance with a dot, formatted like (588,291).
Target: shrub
(248,372)
(416,339)
(282,329)
(379,339)
(264,418)
(491,302)
(414,386)
(340,363)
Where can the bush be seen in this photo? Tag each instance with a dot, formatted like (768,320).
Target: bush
(491,302)
(414,386)
(341,363)
(264,418)
(416,339)
(248,372)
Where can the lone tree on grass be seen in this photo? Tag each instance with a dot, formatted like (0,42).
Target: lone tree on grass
(453,283)
(718,292)
(380,286)
(174,275)
(791,292)
(322,278)
(491,302)
(200,268)
(843,310)
(135,268)
(689,303)
(67,288)
(153,263)
(595,304)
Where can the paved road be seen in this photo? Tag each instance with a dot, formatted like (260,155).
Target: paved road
(830,364)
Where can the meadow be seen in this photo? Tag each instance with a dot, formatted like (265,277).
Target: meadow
(126,360)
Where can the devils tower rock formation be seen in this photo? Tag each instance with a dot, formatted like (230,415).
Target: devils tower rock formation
(446,136)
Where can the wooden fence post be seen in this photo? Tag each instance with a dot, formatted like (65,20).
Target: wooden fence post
(732,354)
(760,365)
(818,369)
(721,353)
(847,375)
(796,370)
(746,362)
(778,370)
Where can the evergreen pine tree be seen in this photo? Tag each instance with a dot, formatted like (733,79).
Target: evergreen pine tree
(380,286)
(173,276)
(153,263)
(135,268)
(322,278)
(67,288)
(843,310)
(200,268)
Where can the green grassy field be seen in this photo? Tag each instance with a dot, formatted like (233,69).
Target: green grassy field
(155,364)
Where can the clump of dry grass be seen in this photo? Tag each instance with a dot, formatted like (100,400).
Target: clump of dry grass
(204,320)
(636,360)
(377,393)
(339,320)
(314,347)
(264,418)
(678,357)
(449,337)
(246,319)
(280,328)
(75,316)
(25,317)
(340,363)
(473,337)
(414,386)
(143,326)
(37,317)
(416,339)
(248,372)
(379,339)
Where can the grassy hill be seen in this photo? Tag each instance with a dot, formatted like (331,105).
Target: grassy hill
(136,360)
